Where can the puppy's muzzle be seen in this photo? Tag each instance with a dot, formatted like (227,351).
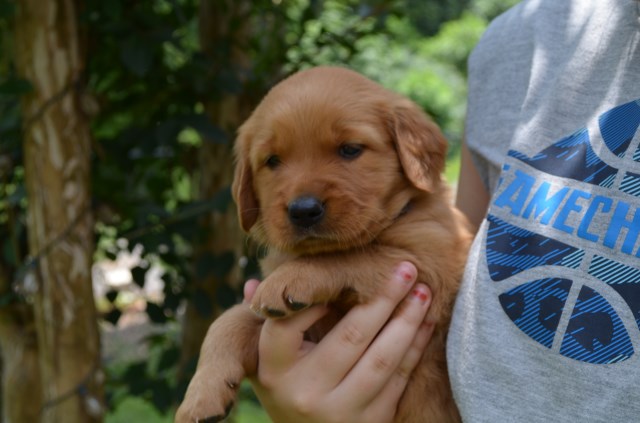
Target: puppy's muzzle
(304,212)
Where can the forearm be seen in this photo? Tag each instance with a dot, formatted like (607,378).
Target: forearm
(472,197)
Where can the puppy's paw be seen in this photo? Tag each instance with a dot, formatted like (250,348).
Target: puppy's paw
(290,289)
(209,399)
(275,304)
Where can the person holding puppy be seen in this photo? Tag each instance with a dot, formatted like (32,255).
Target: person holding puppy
(547,322)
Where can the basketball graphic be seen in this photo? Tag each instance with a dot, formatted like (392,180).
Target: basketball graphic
(565,260)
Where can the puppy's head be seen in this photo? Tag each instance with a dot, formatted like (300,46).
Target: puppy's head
(329,159)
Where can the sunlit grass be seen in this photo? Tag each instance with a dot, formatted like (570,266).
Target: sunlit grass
(136,409)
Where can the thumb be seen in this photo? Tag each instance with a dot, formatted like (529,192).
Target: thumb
(249,290)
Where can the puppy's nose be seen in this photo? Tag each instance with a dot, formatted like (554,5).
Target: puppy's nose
(305,212)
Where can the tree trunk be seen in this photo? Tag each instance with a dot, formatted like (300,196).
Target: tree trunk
(221,23)
(57,175)
(21,393)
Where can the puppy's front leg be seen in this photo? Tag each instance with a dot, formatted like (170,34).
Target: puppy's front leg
(322,278)
(229,353)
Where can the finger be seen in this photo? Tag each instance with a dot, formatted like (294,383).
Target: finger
(348,340)
(282,339)
(390,395)
(249,289)
(414,355)
(384,358)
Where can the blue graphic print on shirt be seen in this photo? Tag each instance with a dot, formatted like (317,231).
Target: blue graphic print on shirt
(569,254)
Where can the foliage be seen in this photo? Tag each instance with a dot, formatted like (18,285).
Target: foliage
(136,409)
(432,71)
(13,233)
(147,83)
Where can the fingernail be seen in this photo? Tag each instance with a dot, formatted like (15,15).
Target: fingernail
(405,273)
(420,293)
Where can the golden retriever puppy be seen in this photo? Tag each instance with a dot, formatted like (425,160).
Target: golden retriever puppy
(341,180)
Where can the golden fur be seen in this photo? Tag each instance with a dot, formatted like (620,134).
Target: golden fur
(371,162)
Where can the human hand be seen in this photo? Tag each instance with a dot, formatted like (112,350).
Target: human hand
(359,371)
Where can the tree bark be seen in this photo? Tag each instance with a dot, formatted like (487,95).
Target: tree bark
(57,144)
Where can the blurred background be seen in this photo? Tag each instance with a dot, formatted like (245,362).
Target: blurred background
(118,238)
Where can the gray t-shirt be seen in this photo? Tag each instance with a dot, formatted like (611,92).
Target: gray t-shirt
(547,323)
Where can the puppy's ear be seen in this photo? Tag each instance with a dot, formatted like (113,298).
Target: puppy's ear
(242,188)
(420,144)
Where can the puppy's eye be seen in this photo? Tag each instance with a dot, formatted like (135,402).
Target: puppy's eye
(350,151)
(272,161)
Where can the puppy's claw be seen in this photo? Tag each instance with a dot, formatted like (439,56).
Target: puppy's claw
(219,417)
(264,311)
(272,312)
(295,305)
